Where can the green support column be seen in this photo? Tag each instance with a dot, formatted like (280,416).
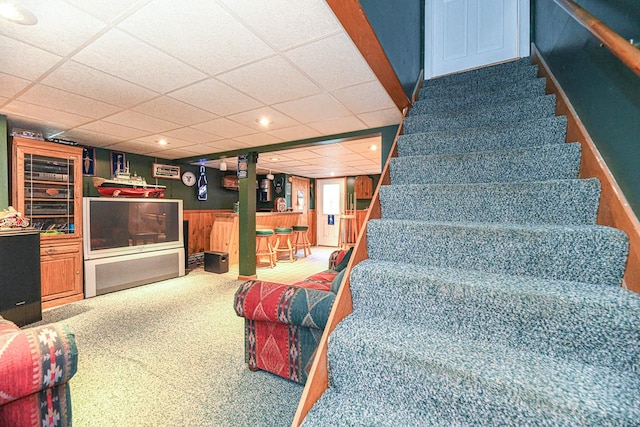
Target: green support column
(247,219)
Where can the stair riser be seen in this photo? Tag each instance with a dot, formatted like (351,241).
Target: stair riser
(537,109)
(525,90)
(539,322)
(592,255)
(560,161)
(550,130)
(552,202)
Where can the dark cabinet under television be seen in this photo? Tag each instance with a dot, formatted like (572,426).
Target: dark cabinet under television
(20,276)
(47,189)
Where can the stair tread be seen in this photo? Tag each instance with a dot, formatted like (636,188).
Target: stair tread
(574,201)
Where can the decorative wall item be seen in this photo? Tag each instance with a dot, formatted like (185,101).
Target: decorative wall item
(118,162)
(202,184)
(89,161)
(159,170)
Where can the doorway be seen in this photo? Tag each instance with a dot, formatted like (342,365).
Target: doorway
(466,34)
(330,204)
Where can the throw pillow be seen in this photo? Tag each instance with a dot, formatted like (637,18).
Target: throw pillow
(335,283)
(345,260)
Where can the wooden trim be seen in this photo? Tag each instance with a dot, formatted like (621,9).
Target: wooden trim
(318,379)
(620,47)
(614,209)
(417,87)
(355,22)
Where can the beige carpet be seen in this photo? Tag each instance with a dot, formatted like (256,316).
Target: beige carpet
(169,354)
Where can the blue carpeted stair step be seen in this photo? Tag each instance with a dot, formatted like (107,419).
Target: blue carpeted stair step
(591,254)
(464,381)
(527,109)
(585,322)
(548,202)
(557,161)
(466,100)
(545,131)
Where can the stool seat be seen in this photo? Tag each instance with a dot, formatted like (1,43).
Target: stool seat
(284,233)
(264,232)
(300,228)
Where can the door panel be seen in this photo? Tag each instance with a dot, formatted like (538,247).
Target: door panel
(329,200)
(471,33)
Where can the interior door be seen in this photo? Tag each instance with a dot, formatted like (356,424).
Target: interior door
(467,34)
(330,202)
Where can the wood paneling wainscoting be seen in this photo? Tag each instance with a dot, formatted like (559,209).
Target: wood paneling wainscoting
(200,225)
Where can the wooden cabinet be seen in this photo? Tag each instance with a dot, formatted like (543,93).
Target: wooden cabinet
(363,187)
(47,189)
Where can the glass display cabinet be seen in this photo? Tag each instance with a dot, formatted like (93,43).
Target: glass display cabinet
(47,189)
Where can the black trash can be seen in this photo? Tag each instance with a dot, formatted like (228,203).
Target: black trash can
(216,262)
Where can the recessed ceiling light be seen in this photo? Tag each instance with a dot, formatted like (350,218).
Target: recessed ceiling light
(17,14)
(274,159)
(163,142)
(373,147)
(333,174)
(264,122)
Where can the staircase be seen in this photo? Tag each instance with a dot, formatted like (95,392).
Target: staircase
(490,296)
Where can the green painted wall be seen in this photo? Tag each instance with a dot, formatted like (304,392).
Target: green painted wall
(4,163)
(218,197)
(603,91)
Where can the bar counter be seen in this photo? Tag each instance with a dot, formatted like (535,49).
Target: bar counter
(225,231)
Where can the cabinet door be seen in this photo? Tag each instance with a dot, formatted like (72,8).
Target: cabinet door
(61,270)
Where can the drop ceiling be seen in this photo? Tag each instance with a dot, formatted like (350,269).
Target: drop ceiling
(123,75)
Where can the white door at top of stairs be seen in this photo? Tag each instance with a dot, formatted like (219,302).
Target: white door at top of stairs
(465,34)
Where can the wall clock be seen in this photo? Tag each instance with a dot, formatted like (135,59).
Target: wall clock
(189,179)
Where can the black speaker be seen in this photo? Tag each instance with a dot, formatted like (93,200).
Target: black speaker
(216,262)
(185,239)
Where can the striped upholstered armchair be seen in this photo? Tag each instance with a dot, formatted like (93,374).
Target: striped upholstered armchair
(35,367)
(284,323)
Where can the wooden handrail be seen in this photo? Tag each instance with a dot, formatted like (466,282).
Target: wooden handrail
(623,49)
(318,378)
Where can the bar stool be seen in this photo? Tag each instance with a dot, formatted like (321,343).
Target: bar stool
(302,239)
(348,230)
(264,248)
(284,234)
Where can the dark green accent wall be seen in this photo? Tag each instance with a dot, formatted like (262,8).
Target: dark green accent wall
(4,163)
(218,197)
(399,25)
(603,91)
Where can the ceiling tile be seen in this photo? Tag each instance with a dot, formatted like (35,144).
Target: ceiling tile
(201,149)
(22,60)
(49,114)
(250,119)
(173,143)
(123,56)
(338,125)
(257,79)
(192,134)
(108,11)
(82,80)
(313,109)
(89,138)
(274,20)
(333,62)
(170,28)
(61,28)
(168,108)
(295,133)
(129,146)
(64,101)
(364,97)
(216,97)
(11,85)
(258,139)
(381,118)
(137,120)
(225,128)
(114,129)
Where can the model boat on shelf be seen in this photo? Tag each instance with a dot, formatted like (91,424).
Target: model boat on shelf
(125,185)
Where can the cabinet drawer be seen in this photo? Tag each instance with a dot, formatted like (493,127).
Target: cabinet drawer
(50,250)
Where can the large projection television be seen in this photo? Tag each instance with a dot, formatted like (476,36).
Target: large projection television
(130,242)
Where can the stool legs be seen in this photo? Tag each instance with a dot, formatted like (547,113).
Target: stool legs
(302,241)
(268,251)
(288,249)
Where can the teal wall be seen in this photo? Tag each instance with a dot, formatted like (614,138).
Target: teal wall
(4,163)
(603,91)
(399,25)
(218,197)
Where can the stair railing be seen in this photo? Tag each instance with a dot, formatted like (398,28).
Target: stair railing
(623,49)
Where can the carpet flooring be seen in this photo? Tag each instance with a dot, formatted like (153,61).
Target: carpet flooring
(169,354)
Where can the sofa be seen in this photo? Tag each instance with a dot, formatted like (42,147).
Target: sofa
(284,323)
(35,367)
